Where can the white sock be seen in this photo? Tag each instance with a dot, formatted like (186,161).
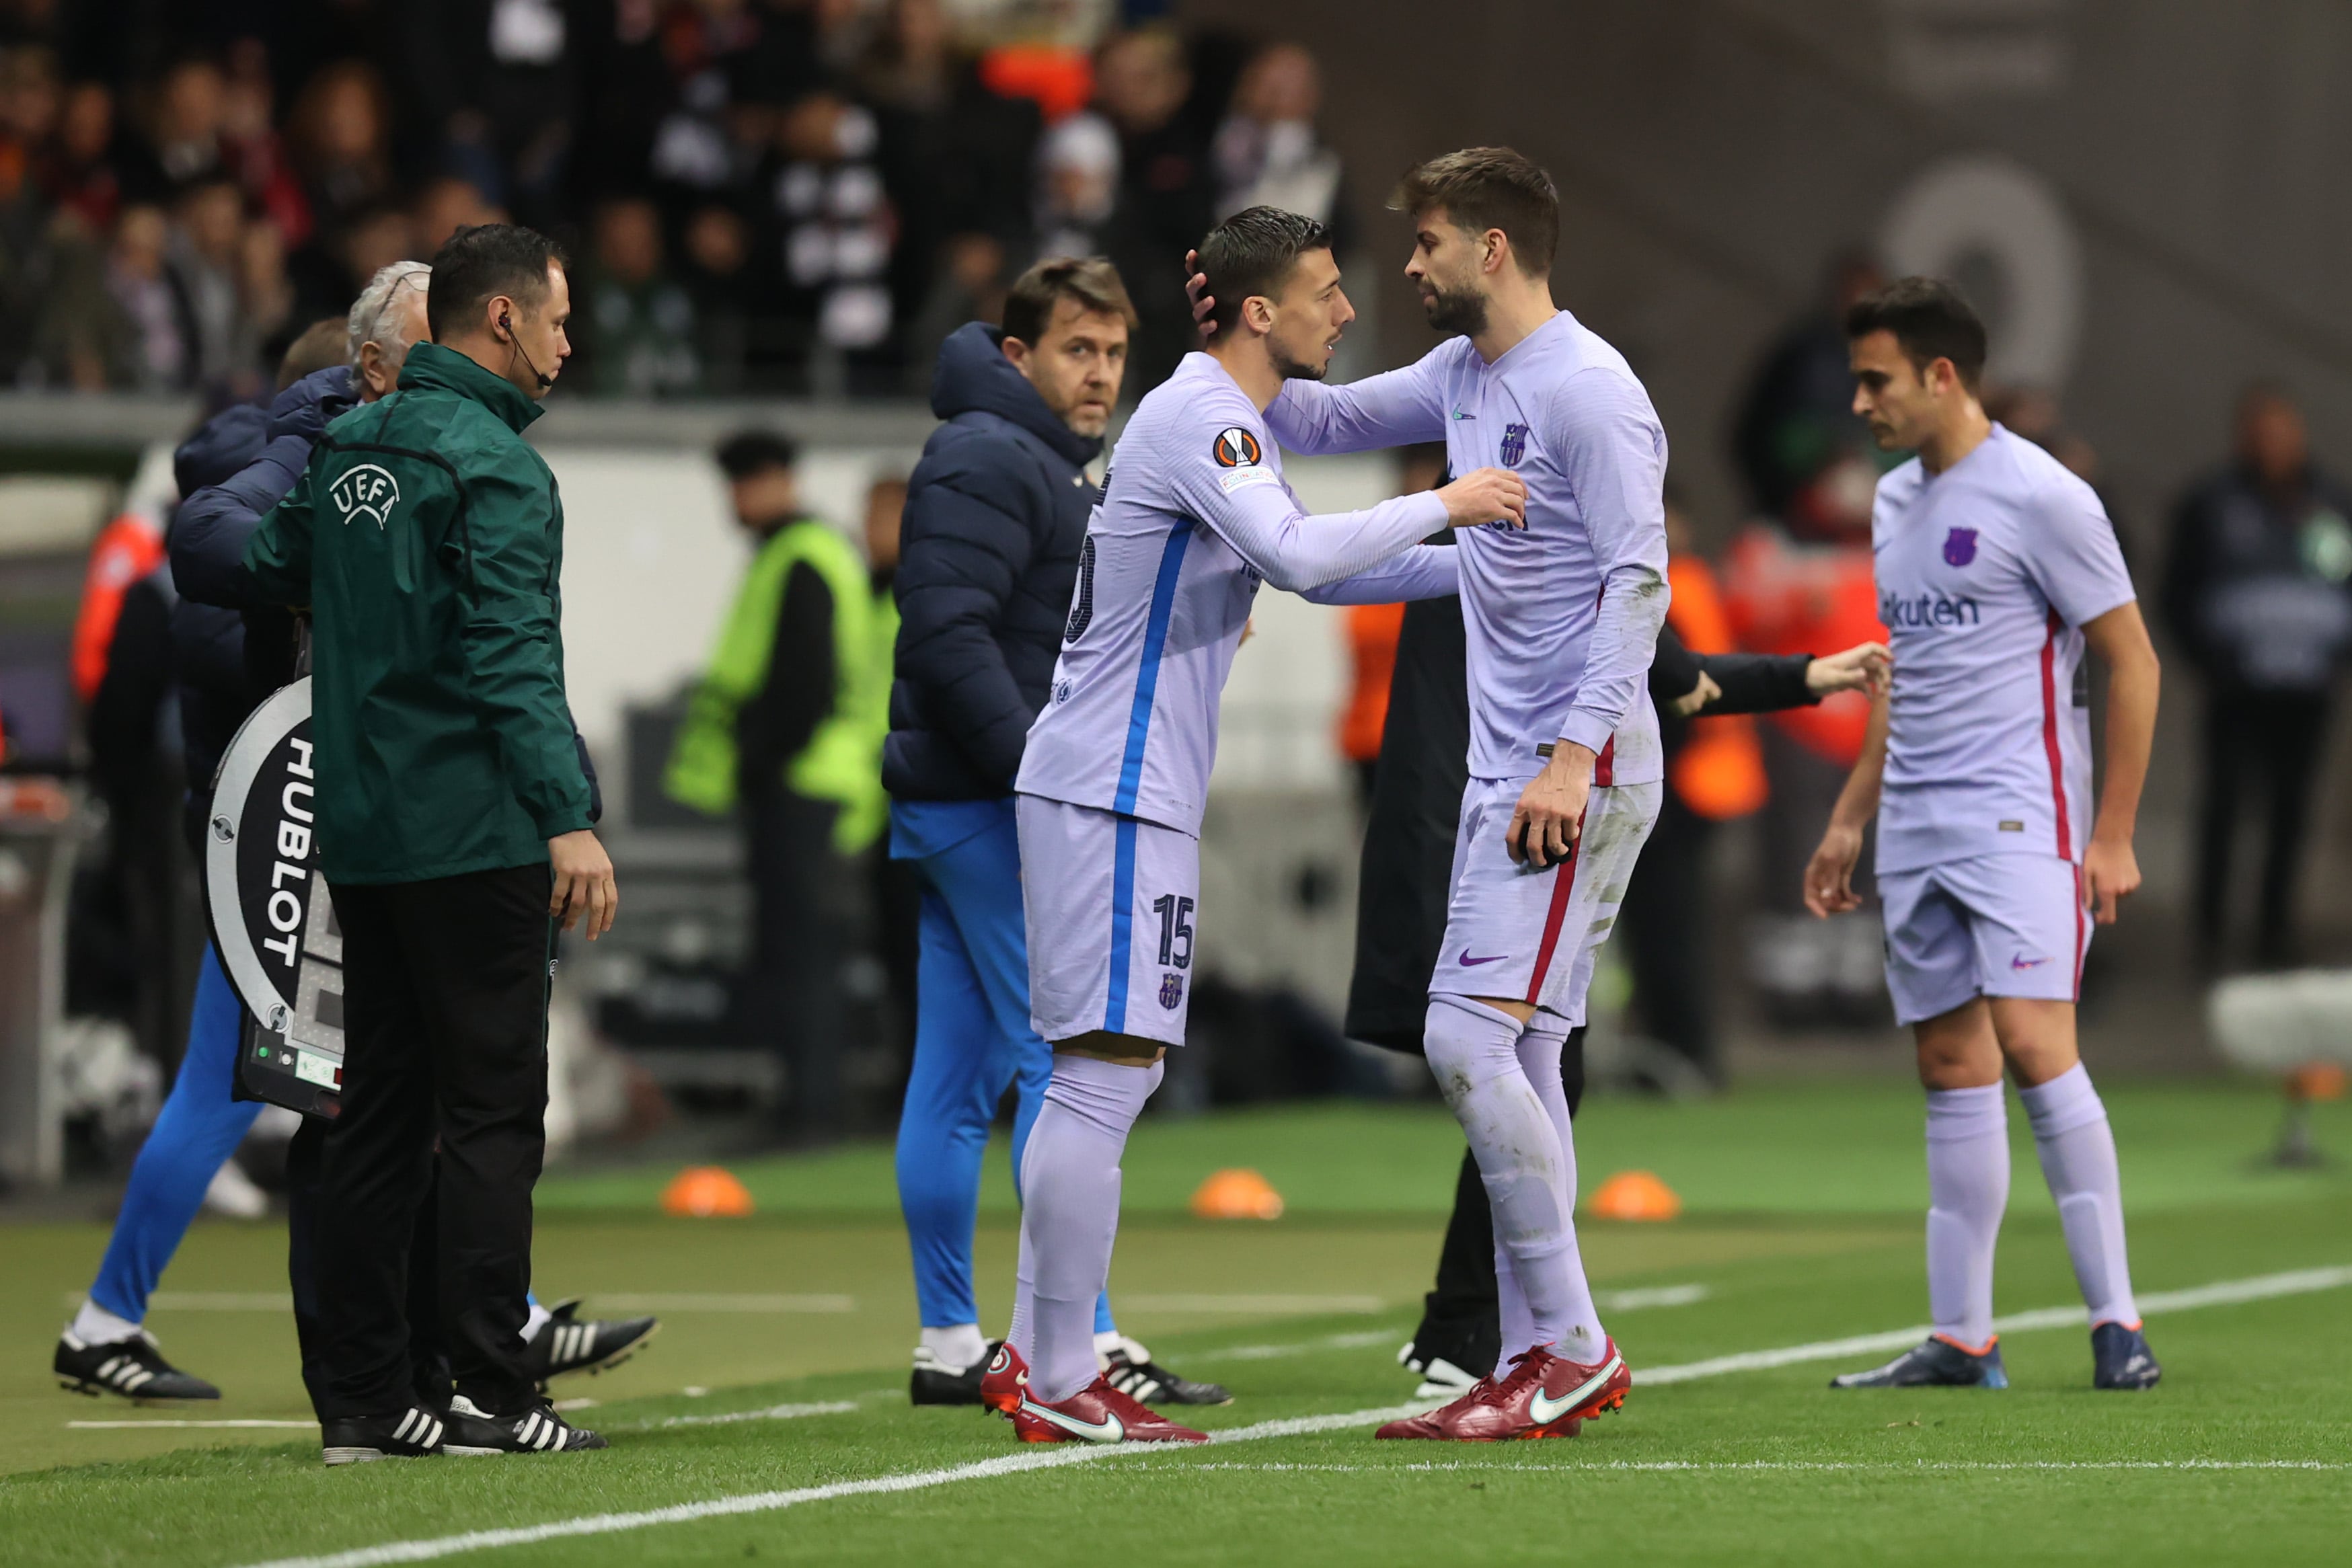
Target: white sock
(1968,1188)
(2078,1160)
(1473,1050)
(957,1346)
(1069,1217)
(95,1325)
(533,1321)
(1540,1047)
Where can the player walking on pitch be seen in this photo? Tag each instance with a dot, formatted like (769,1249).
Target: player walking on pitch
(1996,567)
(1195,514)
(1566,768)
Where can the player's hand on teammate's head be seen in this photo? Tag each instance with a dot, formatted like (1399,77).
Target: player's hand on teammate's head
(1486,496)
(1196,289)
(1865,667)
(1829,875)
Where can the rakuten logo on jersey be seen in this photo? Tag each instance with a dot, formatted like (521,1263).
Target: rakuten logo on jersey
(1927,609)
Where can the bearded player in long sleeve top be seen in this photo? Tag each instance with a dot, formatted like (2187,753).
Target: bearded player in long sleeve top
(1196,516)
(1567,772)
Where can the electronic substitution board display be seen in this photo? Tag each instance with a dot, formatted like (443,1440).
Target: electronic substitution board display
(272,919)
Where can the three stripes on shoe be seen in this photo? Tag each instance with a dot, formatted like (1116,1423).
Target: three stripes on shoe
(419,1426)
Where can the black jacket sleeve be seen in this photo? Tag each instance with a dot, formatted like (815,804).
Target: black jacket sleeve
(1758,683)
(772,729)
(968,539)
(210,529)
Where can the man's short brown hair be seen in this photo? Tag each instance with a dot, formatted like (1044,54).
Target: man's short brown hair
(1483,188)
(1091,280)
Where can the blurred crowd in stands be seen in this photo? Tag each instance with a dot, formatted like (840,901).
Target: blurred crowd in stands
(759,195)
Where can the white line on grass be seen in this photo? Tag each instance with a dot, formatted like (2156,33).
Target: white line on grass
(1256,1306)
(1882,1466)
(1609,1302)
(2225,1292)
(773,1413)
(208,1426)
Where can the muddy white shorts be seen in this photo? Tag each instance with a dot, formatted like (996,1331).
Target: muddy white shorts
(1513,931)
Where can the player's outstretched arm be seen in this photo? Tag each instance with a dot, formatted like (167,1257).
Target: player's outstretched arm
(2110,869)
(1829,876)
(1296,553)
(1424,572)
(1392,409)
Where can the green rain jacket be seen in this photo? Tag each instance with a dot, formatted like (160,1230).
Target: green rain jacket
(427,539)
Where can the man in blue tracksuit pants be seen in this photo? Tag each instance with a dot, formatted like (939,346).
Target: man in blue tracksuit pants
(995,526)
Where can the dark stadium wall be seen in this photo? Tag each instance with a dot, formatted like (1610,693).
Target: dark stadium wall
(1712,154)
(2148,199)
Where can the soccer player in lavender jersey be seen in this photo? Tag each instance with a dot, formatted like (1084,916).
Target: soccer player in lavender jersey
(1566,768)
(1195,515)
(1996,569)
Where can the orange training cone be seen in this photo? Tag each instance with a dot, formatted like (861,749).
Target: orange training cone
(1237,1194)
(1635,1194)
(703,1192)
(2320,1081)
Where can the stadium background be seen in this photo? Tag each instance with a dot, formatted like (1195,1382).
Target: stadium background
(2145,200)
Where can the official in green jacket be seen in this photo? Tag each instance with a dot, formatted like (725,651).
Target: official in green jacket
(786,728)
(426,538)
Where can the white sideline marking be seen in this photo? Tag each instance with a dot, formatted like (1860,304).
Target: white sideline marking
(773,1413)
(2227,1293)
(769,1502)
(210,1426)
(1655,1296)
(1878,1467)
(1608,1300)
(1297,1347)
(1269,1306)
(2223,1293)
(718,1301)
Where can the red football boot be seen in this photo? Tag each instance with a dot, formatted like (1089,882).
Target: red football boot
(1097,1414)
(1007,1379)
(1544,1395)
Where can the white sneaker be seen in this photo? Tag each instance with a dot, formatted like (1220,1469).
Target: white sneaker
(233,1193)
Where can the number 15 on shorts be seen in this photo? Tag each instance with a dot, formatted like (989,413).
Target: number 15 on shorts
(1175,930)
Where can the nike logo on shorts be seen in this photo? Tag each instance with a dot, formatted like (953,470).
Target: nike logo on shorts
(1468,962)
(2022,962)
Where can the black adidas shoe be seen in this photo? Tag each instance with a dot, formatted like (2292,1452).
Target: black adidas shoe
(565,1343)
(415,1434)
(132,1367)
(1440,1378)
(934,1382)
(2121,1359)
(1133,1373)
(537,1430)
(1936,1362)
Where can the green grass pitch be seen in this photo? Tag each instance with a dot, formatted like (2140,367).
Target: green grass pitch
(1803,1226)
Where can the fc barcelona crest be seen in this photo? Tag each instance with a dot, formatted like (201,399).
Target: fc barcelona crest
(1959,547)
(1172,990)
(1515,445)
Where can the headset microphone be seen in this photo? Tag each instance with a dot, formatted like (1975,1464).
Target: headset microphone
(505,325)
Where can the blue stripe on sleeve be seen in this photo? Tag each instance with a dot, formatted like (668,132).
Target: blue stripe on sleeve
(1146,679)
(1122,924)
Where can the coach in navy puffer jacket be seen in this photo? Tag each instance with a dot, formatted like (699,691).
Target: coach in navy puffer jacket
(996,512)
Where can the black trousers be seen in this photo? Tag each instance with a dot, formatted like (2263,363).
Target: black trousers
(2270,741)
(428,1357)
(791,996)
(1459,1319)
(444,1021)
